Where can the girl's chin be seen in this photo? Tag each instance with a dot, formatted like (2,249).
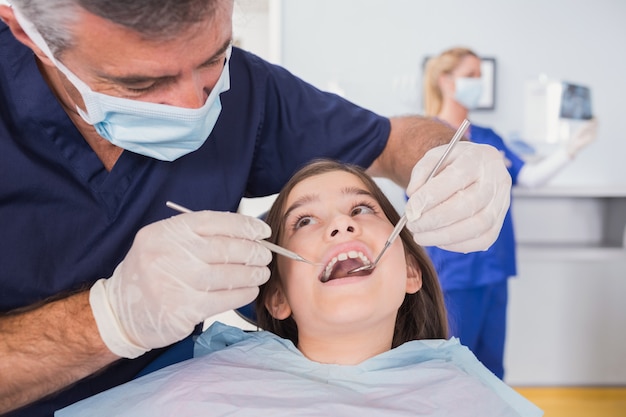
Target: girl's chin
(354,318)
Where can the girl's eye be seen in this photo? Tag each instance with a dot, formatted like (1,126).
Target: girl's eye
(303,221)
(362,209)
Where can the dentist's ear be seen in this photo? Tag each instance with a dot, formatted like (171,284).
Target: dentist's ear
(5,11)
(8,17)
(7,14)
(413,275)
(277,304)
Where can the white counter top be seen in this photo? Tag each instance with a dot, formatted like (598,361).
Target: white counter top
(602,191)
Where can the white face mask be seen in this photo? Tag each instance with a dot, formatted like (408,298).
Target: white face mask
(468,91)
(156,130)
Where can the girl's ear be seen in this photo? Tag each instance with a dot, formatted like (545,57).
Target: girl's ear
(413,275)
(277,304)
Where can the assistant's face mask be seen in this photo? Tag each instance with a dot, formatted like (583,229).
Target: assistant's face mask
(159,131)
(468,91)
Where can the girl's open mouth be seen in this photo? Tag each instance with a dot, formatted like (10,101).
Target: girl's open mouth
(340,264)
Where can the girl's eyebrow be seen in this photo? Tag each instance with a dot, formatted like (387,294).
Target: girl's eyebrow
(309,198)
(356,191)
(305,199)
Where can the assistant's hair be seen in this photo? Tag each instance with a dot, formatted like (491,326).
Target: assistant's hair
(157,19)
(421,316)
(443,63)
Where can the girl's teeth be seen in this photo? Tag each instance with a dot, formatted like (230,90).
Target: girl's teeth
(342,257)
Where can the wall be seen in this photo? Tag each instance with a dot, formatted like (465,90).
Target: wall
(373,50)
(566,316)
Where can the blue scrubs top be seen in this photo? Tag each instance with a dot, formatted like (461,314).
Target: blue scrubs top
(463,271)
(67,222)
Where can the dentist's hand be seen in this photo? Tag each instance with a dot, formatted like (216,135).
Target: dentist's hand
(461,208)
(178,272)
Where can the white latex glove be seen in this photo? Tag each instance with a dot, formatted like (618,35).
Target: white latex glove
(461,208)
(586,134)
(178,272)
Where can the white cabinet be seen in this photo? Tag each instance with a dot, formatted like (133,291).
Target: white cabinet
(566,314)
(570,223)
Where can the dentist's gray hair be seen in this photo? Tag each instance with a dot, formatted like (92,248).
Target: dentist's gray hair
(156,19)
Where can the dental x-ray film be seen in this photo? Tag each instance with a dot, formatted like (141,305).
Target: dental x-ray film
(575,102)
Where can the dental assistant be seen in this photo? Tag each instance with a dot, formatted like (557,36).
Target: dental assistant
(108,109)
(475,284)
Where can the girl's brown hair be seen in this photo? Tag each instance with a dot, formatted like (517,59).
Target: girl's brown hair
(421,316)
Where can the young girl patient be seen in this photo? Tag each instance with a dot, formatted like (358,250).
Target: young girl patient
(371,343)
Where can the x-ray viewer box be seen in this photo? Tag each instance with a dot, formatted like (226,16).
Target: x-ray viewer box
(554,109)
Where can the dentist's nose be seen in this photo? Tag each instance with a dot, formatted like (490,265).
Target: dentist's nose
(192,94)
(192,89)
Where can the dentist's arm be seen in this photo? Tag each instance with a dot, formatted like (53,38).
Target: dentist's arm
(47,348)
(178,272)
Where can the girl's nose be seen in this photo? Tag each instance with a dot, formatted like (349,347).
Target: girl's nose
(349,229)
(342,225)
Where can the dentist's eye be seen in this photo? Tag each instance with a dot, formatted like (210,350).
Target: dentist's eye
(142,90)
(362,208)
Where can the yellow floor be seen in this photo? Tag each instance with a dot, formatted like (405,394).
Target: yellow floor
(578,401)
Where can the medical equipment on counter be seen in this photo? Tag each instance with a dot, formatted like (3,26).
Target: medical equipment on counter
(553,111)
(269,245)
(402,222)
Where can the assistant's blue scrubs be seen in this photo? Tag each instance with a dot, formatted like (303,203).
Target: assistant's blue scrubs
(475,284)
(66,221)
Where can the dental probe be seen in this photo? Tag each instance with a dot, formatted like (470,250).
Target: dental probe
(269,245)
(402,222)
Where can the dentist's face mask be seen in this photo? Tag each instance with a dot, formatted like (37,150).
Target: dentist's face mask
(468,91)
(156,130)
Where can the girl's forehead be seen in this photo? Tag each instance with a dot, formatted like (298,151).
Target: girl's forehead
(325,184)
